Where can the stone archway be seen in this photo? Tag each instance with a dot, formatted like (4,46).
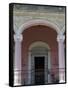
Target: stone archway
(35,22)
(18,38)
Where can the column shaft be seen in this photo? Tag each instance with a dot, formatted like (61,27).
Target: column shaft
(61,54)
(17,60)
(29,68)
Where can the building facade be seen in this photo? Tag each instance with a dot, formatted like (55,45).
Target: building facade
(39,44)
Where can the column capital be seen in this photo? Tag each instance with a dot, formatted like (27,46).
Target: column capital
(60,38)
(18,37)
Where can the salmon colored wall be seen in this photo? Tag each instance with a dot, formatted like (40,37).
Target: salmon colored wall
(40,33)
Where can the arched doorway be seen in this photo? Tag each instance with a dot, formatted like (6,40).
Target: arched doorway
(36,35)
(39,63)
(39,42)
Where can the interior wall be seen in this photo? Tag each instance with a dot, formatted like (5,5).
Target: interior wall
(40,33)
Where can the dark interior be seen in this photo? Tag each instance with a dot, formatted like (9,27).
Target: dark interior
(39,70)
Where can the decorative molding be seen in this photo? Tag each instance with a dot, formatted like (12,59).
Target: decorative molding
(34,22)
(18,37)
(63,29)
(60,38)
(37,8)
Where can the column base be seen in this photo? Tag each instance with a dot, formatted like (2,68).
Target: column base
(17,78)
(62,78)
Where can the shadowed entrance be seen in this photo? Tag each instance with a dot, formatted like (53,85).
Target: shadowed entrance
(39,63)
(39,70)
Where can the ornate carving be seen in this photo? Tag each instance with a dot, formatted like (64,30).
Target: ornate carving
(60,38)
(18,37)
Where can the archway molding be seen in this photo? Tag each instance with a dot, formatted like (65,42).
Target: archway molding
(35,22)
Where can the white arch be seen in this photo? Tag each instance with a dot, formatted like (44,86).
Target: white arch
(34,22)
(39,43)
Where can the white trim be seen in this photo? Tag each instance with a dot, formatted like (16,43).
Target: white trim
(39,43)
(34,22)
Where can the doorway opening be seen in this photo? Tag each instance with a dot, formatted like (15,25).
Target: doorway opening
(39,70)
(39,63)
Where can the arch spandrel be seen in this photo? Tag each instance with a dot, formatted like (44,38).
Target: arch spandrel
(38,22)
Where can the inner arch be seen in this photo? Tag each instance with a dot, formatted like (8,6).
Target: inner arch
(39,44)
(40,56)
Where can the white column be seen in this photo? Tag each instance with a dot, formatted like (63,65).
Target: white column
(29,68)
(49,67)
(17,59)
(60,39)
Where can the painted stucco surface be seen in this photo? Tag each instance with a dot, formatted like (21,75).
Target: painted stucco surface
(35,23)
(23,14)
(44,34)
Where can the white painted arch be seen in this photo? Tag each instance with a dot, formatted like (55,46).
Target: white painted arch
(39,43)
(34,22)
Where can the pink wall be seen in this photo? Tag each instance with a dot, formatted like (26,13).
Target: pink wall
(40,33)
